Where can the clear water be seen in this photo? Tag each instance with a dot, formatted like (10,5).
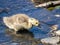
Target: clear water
(26,7)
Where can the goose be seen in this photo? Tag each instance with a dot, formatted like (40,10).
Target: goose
(19,21)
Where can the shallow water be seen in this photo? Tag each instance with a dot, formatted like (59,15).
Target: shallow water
(10,7)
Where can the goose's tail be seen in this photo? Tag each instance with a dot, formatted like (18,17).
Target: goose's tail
(4,19)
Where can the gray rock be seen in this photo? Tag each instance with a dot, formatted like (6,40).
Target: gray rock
(50,40)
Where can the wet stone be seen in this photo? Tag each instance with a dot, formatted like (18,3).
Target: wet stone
(50,40)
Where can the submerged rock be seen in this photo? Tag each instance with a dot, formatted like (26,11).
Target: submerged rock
(50,40)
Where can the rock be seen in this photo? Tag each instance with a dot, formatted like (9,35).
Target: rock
(57,32)
(54,27)
(57,7)
(57,15)
(50,40)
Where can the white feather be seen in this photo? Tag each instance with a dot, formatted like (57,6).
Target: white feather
(18,21)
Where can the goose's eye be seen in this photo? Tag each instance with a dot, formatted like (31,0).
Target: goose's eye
(36,22)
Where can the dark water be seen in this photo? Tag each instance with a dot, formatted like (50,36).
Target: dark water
(10,7)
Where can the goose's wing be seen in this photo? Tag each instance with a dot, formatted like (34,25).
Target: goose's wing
(22,18)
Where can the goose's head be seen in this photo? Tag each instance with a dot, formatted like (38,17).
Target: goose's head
(34,21)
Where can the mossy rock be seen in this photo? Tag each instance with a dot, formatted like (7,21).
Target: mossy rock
(51,8)
(57,7)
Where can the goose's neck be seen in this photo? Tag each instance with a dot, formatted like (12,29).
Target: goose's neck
(29,24)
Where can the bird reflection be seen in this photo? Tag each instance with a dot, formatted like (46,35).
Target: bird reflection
(22,36)
(23,33)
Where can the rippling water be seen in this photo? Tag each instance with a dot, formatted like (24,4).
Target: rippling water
(10,7)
